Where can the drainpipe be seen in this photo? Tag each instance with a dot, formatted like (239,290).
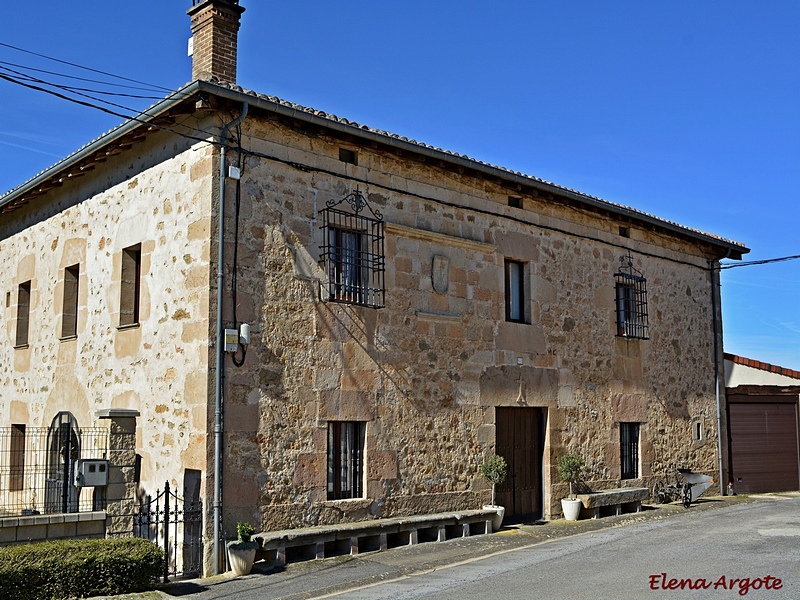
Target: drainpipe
(220,339)
(714,285)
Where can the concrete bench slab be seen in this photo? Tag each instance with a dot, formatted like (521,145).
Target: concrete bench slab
(616,498)
(379,534)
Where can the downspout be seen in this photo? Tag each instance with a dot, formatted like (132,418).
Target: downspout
(220,339)
(714,284)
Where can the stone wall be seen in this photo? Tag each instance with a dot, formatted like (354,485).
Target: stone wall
(426,372)
(159,196)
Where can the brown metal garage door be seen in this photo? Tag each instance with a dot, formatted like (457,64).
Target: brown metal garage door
(764,450)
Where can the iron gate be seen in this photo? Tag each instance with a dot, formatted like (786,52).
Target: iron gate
(176,525)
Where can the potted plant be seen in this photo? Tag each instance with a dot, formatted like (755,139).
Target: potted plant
(494,470)
(569,468)
(242,552)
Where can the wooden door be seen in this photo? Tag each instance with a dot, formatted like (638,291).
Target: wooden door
(519,439)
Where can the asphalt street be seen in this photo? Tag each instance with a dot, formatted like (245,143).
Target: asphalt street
(662,552)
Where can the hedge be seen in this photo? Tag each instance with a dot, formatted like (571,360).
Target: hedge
(79,568)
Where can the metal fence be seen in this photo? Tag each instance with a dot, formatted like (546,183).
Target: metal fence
(38,469)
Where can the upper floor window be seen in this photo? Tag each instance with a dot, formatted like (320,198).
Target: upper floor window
(631,301)
(130,285)
(69,310)
(516,298)
(23,313)
(352,253)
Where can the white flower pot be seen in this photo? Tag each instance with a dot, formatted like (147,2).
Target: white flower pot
(241,559)
(571,508)
(497,520)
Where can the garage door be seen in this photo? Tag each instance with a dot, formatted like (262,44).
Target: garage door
(764,451)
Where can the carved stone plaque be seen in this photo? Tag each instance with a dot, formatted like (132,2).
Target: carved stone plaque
(440,273)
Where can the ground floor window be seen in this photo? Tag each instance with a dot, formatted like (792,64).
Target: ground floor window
(346,459)
(629,447)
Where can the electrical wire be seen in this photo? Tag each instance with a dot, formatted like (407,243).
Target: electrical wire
(235,269)
(65,76)
(64,62)
(760,262)
(137,117)
(79,91)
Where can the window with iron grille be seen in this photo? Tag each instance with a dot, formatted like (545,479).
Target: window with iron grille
(629,449)
(352,253)
(631,301)
(346,459)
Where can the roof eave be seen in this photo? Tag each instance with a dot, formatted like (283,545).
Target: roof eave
(727,248)
(107,139)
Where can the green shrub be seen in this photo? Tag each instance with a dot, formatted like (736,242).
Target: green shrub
(569,467)
(244,531)
(494,470)
(79,568)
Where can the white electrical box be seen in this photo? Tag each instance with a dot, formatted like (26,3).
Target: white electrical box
(92,473)
(231,340)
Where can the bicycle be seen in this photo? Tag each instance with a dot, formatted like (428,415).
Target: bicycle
(678,491)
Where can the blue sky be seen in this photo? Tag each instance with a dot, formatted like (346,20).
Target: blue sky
(686,110)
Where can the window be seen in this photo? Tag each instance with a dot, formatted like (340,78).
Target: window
(515,292)
(23,313)
(352,254)
(347,271)
(345,459)
(16,473)
(631,302)
(69,312)
(515,202)
(348,156)
(697,429)
(130,286)
(629,449)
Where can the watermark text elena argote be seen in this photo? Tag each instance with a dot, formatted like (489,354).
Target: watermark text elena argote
(742,585)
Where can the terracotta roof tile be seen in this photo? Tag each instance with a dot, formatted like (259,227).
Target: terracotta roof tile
(762,366)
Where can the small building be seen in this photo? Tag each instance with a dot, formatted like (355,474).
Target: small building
(762,402)
(319,321)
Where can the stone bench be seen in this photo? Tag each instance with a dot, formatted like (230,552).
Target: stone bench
(306,543)
(615,499)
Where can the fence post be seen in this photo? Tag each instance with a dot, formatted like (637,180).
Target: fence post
(121,490)
(166,532)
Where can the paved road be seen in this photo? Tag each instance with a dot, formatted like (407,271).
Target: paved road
(756,544)
(612,557)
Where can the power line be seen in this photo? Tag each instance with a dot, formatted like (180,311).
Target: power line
(760,262)
(111,112)
(76,78)
(78,90)
(64,62)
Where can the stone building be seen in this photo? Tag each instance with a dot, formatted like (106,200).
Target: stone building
(410,310)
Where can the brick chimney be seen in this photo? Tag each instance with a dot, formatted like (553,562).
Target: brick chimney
(215,28)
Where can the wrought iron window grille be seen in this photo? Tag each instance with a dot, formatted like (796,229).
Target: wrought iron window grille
(631,300)
(352,252)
